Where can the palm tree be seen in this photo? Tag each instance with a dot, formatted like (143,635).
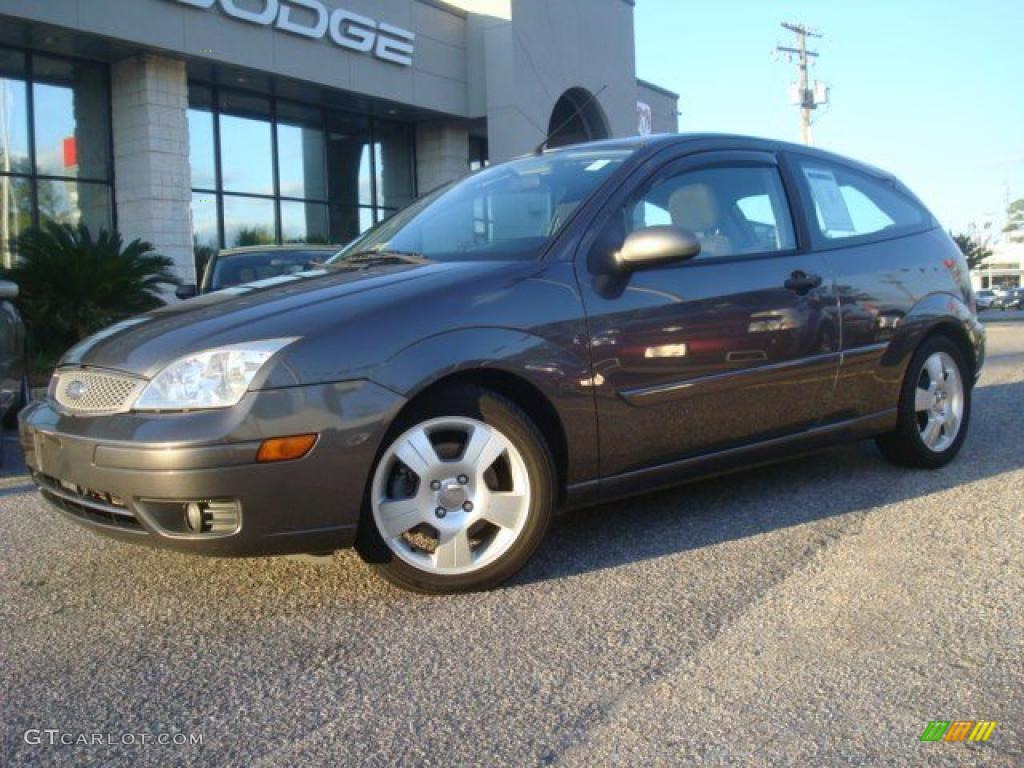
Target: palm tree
(72,284)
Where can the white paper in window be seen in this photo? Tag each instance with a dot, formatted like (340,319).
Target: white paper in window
(835,216)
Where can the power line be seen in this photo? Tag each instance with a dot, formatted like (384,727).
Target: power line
(807,95)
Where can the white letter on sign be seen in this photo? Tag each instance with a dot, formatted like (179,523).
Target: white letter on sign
(284,19)
(397,46)
(266,16)
(346,34)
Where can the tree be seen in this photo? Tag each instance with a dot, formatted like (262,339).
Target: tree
(973,251)
(253,236)
(1014,228)
(72,284)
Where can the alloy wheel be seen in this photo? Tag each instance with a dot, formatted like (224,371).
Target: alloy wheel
(939,402)
(451,495)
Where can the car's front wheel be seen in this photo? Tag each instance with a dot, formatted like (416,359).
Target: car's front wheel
(461,495)
(934,409)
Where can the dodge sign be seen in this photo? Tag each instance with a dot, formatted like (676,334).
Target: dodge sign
(312,19)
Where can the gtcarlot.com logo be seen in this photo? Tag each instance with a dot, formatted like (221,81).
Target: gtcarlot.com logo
(54,737)
(958,730)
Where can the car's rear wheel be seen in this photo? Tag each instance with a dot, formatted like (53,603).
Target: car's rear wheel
(934,409)
(461,494)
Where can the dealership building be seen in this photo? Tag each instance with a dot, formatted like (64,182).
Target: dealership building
(216,123)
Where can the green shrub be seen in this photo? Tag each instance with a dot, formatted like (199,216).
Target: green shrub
(72,285)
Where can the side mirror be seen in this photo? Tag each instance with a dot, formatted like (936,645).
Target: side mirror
(654,246)
(187,291)
(8,290)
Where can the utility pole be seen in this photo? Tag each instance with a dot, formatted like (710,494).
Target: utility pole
(807,96)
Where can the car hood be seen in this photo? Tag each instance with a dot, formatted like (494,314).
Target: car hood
(290,306)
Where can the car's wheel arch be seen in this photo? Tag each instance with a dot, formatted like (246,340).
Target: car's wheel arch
(941,314)
(545,379)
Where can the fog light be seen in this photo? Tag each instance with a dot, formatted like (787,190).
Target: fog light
(215,517)
(285,448)
(194,517)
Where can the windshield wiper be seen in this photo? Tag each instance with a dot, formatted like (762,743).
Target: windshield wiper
(370,258)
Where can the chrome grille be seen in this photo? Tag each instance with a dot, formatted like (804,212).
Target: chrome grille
(92,392)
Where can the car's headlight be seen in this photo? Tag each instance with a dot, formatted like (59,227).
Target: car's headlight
(216,378)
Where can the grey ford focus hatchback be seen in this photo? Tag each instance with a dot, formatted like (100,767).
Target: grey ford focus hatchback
(572,326)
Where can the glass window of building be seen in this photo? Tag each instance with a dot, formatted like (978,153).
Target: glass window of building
(201,143)
(54,144)
(205,229)
(248,221)
(246,145)
(14,156)
(478,153)
(72,119)
(274,171)
(349,167)
(300,153)
(304,222)
(393,165)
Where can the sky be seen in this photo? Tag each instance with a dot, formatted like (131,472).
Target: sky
(930,91)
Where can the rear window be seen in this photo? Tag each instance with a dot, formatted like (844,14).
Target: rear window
(848,203)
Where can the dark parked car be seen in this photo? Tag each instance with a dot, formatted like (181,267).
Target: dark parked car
(563,329)
(13,384)
(237,266)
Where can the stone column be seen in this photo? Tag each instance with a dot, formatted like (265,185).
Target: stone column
(442,154)
(151,164)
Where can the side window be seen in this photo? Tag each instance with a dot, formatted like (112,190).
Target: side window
(732,210)
(848,203)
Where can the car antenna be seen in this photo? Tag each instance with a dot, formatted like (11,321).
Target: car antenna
(551,134)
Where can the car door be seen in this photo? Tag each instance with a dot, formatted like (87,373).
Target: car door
(885,253)
(734,346)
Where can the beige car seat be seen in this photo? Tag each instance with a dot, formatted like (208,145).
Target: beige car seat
(695,208)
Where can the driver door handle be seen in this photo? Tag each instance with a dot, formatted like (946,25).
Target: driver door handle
(801,282)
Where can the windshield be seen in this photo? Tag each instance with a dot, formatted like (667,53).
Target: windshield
(238,268)
(508,211)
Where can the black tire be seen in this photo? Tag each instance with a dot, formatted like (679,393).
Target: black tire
(904,445)
(502,414)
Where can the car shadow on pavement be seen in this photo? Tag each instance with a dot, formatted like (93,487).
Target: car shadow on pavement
(844,480)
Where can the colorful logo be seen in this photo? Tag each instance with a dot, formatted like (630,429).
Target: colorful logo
(958,730)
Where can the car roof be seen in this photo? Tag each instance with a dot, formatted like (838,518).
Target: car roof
(704,142)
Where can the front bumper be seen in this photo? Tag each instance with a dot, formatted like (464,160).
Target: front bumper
(131,475)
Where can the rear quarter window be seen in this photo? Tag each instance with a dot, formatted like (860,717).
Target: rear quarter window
(851,204)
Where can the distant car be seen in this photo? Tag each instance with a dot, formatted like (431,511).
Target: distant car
(984,299)
(1014,299)
(13,384)
(238,266)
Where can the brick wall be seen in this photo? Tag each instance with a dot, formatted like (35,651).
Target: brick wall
(151,162)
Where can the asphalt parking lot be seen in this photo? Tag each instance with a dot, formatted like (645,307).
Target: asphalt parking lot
(818,612)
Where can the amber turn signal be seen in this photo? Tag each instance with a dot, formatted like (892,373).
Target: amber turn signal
(286,448)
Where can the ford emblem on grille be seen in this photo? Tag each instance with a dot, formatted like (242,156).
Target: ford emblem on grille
(76,390)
